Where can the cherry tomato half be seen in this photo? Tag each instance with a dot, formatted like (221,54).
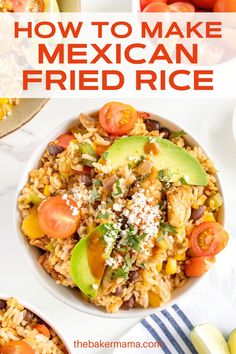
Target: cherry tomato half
(28,5)
(145,3)
(42,329)
(170,2)
(181,7)
(195,267)
(56,218)
(16,347)
(64,140)
(156,7)
(208,239)
(204,4)
(100,149)
(117,118)
(225,6)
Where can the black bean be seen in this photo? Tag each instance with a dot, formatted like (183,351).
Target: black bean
(3,304)
(151,125)
(130,303)
(29,316)
(124,222)
(77,236)
(54,150)
(119,290)
(87,180)
(133,275)
(166,132)
(197,213)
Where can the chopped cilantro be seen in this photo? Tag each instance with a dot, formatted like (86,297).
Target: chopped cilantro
(106,216)
(95,194)
(118,189)
(97,182)
(119,273)
(183,181)
(122,249)
(123,272)
(167,228)
(165,175)
(109,201)
(142,266)
(177,134)
(136,162)
(105,155)
(134,239)
(160,238)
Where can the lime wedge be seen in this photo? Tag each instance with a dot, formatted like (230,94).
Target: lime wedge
(207,339)
(232,342)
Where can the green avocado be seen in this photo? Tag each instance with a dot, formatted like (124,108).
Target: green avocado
(88,259)
(179,163)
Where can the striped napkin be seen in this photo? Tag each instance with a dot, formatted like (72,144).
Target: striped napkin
(212,300)
(171,329)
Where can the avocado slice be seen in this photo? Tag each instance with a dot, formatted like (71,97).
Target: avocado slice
(179,162)
(88,259)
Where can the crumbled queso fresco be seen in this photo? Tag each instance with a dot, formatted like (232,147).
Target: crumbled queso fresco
(143,215)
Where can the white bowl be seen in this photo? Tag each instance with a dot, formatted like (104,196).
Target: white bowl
(38,313)
(67,295)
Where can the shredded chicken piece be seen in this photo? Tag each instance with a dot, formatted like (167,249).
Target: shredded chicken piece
(179,201)
(40,242)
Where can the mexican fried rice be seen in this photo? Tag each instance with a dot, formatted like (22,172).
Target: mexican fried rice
(125,233)
(23,331)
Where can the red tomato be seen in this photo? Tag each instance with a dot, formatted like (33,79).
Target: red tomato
(204,4)
(64,140)
(156,7)
(28,5)
(42,329)
(56,218)
(195,267)
(100,149)
(208,239)
(169,2)
(225,6)
(16,347)
(117,118)
(145,3)
(181,6)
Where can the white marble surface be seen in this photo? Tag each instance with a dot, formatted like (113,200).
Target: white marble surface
(209,120)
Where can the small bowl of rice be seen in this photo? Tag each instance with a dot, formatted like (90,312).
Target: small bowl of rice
(155,219)
(26,330)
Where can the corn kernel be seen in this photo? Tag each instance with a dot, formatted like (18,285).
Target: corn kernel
(46,191)
(154,299)
(208,216)
(202,199)
(180,256)
(163,245)
(3,100)
(159,267)
(171,266)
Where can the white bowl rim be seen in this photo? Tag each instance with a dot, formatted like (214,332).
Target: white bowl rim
(89,308)
(38,313)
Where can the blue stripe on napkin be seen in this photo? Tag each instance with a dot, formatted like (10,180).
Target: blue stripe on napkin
(179,331)
(183,317)
(167,333)
(169,324)
(152,331)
